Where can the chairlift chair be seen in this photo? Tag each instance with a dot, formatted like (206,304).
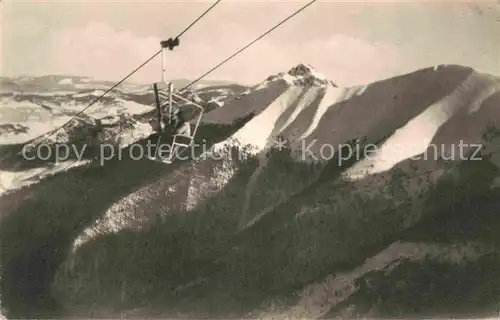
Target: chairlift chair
(178,141)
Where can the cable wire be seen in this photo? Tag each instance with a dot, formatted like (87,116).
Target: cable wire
(242,49)
(423,173)
(198,19)
(248,45)
(216,67)
(99,98)
(125,78)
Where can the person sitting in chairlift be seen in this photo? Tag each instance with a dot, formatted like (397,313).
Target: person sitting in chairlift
(181,126)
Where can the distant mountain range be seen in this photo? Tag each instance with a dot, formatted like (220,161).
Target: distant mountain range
(74,83)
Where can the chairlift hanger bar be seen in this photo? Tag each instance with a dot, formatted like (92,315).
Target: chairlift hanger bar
(170,43)
(242,49)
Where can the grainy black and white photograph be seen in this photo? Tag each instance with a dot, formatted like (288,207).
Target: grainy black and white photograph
(250,159)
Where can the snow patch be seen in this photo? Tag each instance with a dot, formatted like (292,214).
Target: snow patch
(65,81)
(27,114)
(304,103)
(86,94)
(15,180)
(257,132)
(217,100)
(133,107)
(332,96)
(128,137)
(90,86)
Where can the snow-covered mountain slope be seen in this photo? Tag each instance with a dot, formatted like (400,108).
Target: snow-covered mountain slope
(466,111)
(33,109)
(316,117)
(321,115)
(429,114)
(43,103)
(41,113)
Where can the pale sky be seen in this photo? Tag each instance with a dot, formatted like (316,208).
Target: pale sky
(350,42)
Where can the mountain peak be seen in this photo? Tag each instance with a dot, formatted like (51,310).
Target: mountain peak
(302,74)
(302,70)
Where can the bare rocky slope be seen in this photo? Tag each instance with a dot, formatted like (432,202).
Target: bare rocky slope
(287,230)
